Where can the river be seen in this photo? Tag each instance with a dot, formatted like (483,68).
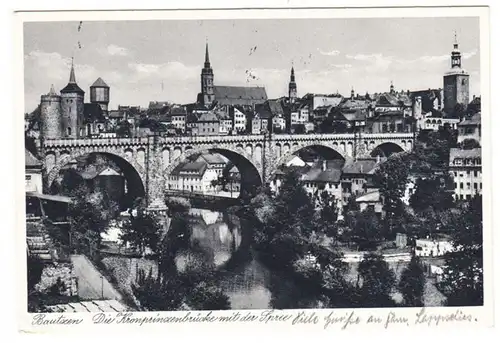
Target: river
(227,244)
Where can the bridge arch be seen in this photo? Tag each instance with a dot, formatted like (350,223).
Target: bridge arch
(133,172)
(388,148)
(251,176)
(329,152)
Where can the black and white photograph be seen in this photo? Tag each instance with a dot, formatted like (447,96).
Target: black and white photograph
(253,164)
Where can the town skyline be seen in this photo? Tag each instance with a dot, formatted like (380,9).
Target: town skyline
(330,61)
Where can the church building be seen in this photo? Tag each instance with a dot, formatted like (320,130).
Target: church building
(210,95)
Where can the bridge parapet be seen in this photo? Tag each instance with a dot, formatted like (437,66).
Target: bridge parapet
(211,139)
(95,142)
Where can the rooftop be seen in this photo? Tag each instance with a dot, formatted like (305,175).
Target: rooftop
(231,95)
(99,83)
(360,166)
(461,153)
(31,160)
(369,197)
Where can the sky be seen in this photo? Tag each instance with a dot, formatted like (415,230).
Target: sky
(145,61)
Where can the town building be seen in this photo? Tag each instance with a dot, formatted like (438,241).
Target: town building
(435,123)
(432,248)
(470,128)
(225,123)
(426,101)
(226,95)
(261,122)
(207,124)
(215,162)
(239,118)
(321,100)
(371,201)
(188,177)
(178,117)
(198,176)
(355,175)
(455,83)
(324,176)
(33,173)
(465,166)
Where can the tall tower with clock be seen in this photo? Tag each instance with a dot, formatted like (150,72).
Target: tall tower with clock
(455,82)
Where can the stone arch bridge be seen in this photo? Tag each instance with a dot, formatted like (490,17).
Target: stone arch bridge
(148,161)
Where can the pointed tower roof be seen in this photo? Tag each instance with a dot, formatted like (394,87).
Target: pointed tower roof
(72,87)
(207,57)
(99,83)
(52,91)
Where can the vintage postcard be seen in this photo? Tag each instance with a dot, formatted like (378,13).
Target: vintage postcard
(322,169)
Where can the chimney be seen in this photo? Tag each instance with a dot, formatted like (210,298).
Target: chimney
(324,165)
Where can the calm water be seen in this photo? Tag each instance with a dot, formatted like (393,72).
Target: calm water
(226,245)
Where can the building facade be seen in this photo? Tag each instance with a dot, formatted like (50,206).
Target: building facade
(470,128)
(465,167)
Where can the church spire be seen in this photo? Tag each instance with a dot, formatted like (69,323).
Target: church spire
(207,57)
(292,75)
(72,78)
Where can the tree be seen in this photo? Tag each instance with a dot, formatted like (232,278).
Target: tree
(378,281)
(142,231)
(468,144)
(124,129)
(412,283)
(158,293)
(431,193)
(300,129)
(392,176)
(88,219)
(365,228)
(35,269)
(206,296)
(463,274)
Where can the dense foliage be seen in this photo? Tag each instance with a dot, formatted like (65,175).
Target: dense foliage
(412,283)
(463,276)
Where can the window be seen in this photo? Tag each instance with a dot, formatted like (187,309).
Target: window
(461,197)
(480,185)
(455,185)
(461,185)
(468,172)
(475,173)
(28,177)
(475,185)
(371,208)
(468,185)
(69,131)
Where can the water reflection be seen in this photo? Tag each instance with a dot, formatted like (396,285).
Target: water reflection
(223,242)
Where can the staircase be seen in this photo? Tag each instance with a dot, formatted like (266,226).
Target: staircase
(38,241)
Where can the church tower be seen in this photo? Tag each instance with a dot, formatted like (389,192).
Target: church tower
(72,98)
(292,87)
(455,82)
(207,81)
(50,112)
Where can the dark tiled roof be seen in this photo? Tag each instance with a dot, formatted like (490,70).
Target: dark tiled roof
(208,117)
(360,166)
(99,83)
(31,160)
(356,115)
(72,88)
(230,95)
(178,110)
